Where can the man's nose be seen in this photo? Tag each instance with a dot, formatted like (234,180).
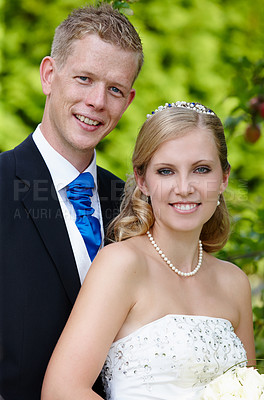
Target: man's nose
(96,96)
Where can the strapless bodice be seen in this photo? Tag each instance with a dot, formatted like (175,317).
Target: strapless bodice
(171,358)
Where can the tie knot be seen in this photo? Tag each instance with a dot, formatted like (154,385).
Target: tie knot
(84,180)
(79,192)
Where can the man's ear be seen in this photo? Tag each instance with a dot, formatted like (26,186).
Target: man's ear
(130,98)
(141,183)
(47,68)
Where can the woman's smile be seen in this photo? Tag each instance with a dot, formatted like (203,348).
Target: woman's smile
(185,208)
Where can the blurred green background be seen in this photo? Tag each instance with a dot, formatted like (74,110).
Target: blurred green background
(210,51)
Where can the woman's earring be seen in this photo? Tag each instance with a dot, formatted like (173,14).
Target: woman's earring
(145,197)
(218,201)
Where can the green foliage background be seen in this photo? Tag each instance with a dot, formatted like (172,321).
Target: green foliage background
(209,51)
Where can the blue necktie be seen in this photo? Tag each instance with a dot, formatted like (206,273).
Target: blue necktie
(79,192)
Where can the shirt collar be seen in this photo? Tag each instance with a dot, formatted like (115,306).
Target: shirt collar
(61,170)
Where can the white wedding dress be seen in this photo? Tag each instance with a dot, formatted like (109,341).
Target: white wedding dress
(171,358)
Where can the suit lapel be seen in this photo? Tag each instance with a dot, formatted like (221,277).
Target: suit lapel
(41,203)
(110,189)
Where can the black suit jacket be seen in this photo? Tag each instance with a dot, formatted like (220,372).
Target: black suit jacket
(39,280)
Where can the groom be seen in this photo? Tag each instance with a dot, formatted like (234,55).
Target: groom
(96,56)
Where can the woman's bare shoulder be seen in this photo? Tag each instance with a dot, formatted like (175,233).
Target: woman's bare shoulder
(124,255)
(128,248)
(230,273)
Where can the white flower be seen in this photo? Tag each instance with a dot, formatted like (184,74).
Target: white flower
(237,383)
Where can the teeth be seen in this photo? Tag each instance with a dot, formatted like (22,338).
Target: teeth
(184,207)
(87,120)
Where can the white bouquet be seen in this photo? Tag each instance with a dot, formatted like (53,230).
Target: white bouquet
(237,383)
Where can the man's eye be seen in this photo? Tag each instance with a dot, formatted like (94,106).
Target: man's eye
(83,78)
(115,90)
(164,171)
(202,170)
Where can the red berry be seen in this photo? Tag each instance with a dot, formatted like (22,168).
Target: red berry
(252,133)
(261,110)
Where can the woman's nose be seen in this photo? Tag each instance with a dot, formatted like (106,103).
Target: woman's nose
(184,186)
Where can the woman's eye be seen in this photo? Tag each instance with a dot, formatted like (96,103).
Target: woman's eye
(202,170)
(164,171)
(83,78)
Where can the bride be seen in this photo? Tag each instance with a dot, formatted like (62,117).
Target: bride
(158,315)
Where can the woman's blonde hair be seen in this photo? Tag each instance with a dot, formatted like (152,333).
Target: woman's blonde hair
(136,215)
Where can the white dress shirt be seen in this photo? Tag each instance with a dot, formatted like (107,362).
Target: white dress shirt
(62,173)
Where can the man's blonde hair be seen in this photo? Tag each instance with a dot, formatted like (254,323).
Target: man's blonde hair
(104,21)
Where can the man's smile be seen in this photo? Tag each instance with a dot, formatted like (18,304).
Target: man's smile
(87,120)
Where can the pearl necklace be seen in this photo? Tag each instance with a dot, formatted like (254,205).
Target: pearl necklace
(181,273)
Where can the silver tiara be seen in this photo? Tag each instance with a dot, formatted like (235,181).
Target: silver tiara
(199,108)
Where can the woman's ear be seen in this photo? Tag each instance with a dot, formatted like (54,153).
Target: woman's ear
(224,183)
(141,183)
(47,68)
